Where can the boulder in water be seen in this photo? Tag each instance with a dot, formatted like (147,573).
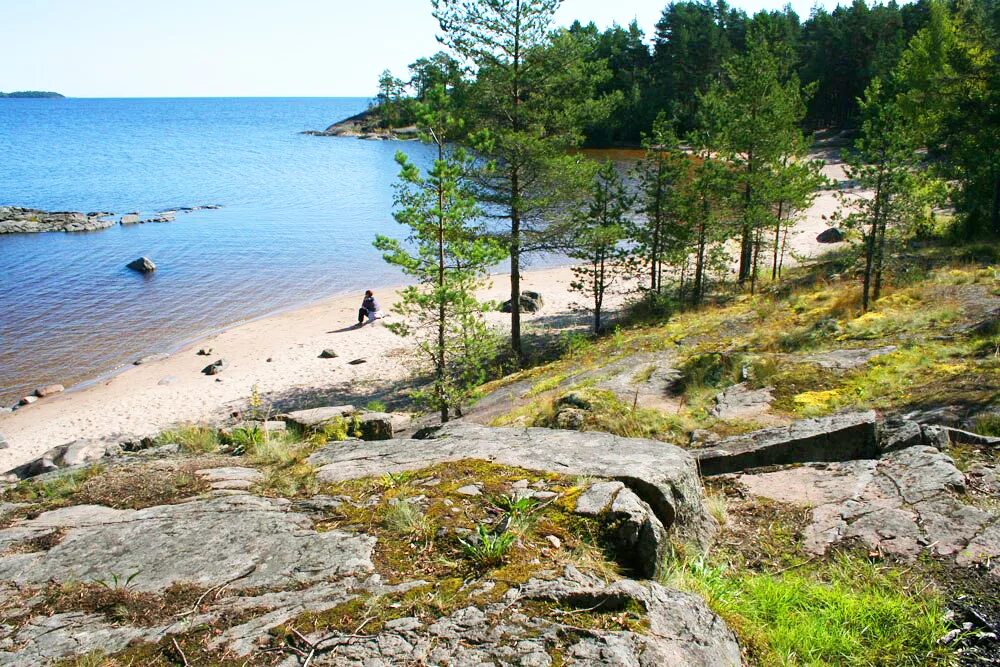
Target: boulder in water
(142,265)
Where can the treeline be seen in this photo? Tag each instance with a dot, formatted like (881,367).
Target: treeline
(726,169)
(837,52)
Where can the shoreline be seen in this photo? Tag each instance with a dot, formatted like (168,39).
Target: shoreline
(277,352)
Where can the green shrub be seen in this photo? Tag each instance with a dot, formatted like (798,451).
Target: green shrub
(376,406)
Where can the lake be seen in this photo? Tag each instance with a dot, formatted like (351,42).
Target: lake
(299,216)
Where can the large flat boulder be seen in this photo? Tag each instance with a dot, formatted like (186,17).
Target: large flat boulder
(663,476)
(316,418)
(842,437)
(245,540)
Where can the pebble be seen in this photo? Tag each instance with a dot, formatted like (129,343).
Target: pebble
(554,541)
(520,484)
(28,400)
(544,495)
(469,490)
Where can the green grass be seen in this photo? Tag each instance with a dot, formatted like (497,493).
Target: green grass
(53,490)
(988,425)
(848,611)
(192,438)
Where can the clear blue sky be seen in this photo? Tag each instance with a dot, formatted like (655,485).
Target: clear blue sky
(177,48)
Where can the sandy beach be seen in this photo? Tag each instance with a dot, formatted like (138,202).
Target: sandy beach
(280,355)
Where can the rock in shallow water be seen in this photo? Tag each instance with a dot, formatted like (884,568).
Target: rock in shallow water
(142,265)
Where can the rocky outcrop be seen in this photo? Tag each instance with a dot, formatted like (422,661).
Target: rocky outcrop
(741,402)
(661,475)
(640,538)
(909,501)
(364,125)
(242,541)
(264,577)
(14,220)
(842,437)
(17,220)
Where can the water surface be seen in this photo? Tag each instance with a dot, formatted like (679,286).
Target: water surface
(298,219)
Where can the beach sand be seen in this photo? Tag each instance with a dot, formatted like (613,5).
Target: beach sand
(280,355)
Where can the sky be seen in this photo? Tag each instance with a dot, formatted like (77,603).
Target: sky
(223,48)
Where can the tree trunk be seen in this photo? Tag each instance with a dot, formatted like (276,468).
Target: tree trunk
(777,237)
(442,398)
(515,206)
(699,267)
(995,213)
(870,243)
(746,238)
(879,260)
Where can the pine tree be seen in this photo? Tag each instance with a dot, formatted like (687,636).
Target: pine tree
(885,163)
(600,230)
(658,174)
(447,256)
(754,114)
(534,93)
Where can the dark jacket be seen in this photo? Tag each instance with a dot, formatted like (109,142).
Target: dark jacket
(370,304)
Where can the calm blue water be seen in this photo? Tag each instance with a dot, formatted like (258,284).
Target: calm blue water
(300,213)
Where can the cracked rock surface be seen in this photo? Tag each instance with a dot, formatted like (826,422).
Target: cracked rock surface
(907,502)
(244,540)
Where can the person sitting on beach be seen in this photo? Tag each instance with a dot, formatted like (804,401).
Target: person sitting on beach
(369,308)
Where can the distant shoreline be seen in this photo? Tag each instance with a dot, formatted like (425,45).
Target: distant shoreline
(32,94)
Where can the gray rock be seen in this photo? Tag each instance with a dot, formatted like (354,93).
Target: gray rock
(531,302)
(900,435)
(741,402)
(129,219)
(572,419)
(316,418)
(167,380)
(640,539)
(142,265)
(3,442)
(69,455)
(215,367)
(963,437)
(15,220)
(375,426)
(49,390)
(27,400)
(903,504)
(160,356)
(830,235)
(244,540)
(841,437)
(844,360)
(469,490)
(663,476)
(328,354)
